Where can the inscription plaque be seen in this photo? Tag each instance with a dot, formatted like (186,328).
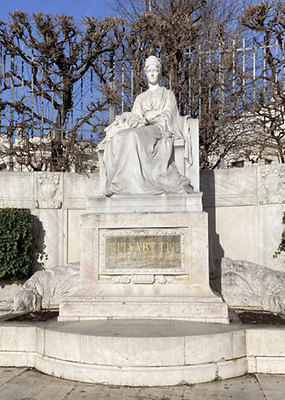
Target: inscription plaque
(144,250)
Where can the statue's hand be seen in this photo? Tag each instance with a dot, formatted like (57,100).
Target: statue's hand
(121,122)
(151,117)
(138,122)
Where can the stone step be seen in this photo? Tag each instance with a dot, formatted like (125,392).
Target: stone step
(142,352)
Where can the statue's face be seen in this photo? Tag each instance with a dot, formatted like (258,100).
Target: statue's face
(153,74)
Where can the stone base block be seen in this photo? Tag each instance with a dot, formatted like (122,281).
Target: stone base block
(199,309)
(144,265)
(145,203)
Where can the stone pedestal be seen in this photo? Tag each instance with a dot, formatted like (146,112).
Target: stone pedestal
(146,257)
(144,265)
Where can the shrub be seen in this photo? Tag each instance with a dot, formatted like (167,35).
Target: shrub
(15,243)
(281,246)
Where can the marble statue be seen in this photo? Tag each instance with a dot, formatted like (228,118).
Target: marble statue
(45,289)
(246,285)
(138,155)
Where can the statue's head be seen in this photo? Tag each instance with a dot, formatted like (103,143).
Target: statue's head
(27,299)
(154,62)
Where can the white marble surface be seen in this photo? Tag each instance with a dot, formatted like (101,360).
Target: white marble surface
(139,145)
(182,165)
(160,203)
(46,289)
(143,353)
(241,226)
(246,285)
(246,207)
(180,294)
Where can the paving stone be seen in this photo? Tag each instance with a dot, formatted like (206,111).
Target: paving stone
(6,374)
(91,392)
(270,382)
(29,384)
(272,385)
(246,382)
(242,388)
(33,385)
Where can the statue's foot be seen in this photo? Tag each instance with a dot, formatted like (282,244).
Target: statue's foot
(188,188)
(108,193)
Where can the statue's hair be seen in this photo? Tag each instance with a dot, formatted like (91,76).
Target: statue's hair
(152,60)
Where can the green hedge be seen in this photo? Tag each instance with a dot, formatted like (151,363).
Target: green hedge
(16,241)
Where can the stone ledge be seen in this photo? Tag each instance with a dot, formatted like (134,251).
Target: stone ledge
(159,203)
(209,309)
(143,352)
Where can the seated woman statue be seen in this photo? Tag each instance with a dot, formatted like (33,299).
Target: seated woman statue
(138,155)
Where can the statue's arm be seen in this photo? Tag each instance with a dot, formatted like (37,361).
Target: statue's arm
(121,122)
(137,117)
(165,116)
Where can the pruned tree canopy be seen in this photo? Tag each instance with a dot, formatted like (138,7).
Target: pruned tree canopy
(266,21)
(59,55)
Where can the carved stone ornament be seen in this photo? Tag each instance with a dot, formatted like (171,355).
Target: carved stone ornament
(48,185)
(46,289)
(246,285)
(141,279)
(161,279)
(47,188)
(124,280)
(273,180)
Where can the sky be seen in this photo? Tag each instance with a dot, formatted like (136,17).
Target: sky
(77,8)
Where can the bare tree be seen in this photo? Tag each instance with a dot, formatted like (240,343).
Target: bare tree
(266,21)
(59,55)
(196,41)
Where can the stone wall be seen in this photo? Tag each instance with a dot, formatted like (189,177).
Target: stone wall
(245,208)
(56,201)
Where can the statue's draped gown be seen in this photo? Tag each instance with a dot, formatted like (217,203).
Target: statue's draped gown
(138,158)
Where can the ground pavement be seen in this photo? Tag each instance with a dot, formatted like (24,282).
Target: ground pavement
(29,384)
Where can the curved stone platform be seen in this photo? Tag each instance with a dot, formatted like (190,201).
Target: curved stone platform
(142,353)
